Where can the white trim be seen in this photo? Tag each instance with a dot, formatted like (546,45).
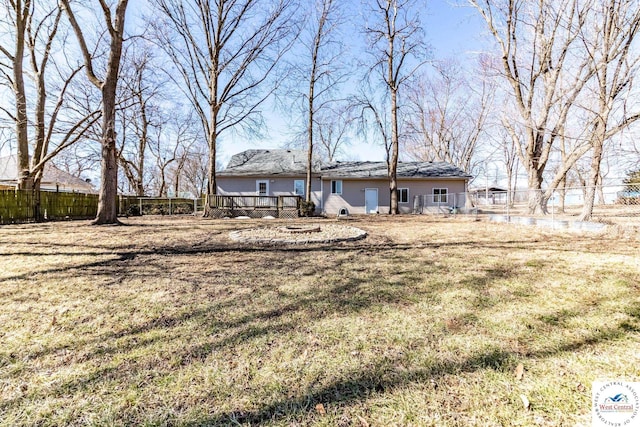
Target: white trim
(433,195)
(399,191)
(336,181)
(303,187)
(322,195)
(260,181)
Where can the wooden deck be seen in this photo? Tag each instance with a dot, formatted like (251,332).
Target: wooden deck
(254,206)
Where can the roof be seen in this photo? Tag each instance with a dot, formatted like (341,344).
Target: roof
(356,170)
(268,162)
(294,162)
(51,175)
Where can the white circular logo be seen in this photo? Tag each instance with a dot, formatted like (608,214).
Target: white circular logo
(616,403)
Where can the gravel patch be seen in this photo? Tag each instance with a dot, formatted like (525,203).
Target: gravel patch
(328,233)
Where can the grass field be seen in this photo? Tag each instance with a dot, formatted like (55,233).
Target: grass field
(427,321)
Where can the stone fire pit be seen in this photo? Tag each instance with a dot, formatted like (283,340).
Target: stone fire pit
(294,234)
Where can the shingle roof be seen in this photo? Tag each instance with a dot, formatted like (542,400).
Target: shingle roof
(268,162)
(293,162)
(404,170)
(51,175)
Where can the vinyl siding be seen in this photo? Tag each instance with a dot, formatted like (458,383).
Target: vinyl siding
(353,193)
(279,186)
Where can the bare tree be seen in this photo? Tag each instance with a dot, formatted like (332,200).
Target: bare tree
(322,71)
(448,116)
(610,39)
(536,42)
(107,205)
(332,128)
(372,119)
(136,115)
(169,145)
(194,172)
(35,27)
(18,14)
(225,53)
(396,43)
(56,125)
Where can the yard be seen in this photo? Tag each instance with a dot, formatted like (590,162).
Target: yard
(427,321)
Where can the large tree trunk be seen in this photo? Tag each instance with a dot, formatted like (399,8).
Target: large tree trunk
(212,187)
(393,161)
(107,204)
(307,192)
(25,182)
(594,174)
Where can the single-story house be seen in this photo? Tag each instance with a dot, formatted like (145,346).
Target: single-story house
(53,179)
(355,187)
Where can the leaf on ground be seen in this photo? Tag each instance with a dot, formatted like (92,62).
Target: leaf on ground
(320,409)
(519,371)
(525,402)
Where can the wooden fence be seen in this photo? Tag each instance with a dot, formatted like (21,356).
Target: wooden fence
(18,206)
(255,206)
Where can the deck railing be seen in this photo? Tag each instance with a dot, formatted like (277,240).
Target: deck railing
(255,206)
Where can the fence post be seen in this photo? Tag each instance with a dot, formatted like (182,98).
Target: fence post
(169,205)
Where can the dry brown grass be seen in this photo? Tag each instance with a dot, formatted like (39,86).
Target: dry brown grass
(167,322)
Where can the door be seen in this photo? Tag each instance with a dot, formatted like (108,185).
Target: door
(370,200)
(262,187)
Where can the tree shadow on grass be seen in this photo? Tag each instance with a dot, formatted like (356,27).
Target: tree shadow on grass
(360,385)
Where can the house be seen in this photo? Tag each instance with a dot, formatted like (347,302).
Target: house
(353,187)
(53,179)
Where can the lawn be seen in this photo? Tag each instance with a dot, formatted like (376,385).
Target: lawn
(427,321)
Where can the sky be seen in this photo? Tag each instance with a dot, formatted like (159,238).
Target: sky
(451,30)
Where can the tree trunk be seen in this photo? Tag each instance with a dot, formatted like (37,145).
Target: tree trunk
(107,202)
(107,205)
(25,182)
(393,161)
(307,192)
(212,187)
(537,203)
(590,191)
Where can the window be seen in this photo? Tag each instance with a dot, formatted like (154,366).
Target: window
(336,187)
(298,187)
(262,188)
(403,195)
(439,195)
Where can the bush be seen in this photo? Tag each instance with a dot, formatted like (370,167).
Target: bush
(307,208)
(133,210)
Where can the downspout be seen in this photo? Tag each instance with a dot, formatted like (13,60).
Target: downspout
(322,195)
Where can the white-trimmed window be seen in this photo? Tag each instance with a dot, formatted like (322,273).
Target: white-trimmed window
(403,195)
(298,187)
(336,187)
(262,188)
(440,195)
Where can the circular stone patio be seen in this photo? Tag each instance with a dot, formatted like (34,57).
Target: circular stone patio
(296,234)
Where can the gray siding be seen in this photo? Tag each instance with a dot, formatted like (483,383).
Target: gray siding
(353,194)
(278,186)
